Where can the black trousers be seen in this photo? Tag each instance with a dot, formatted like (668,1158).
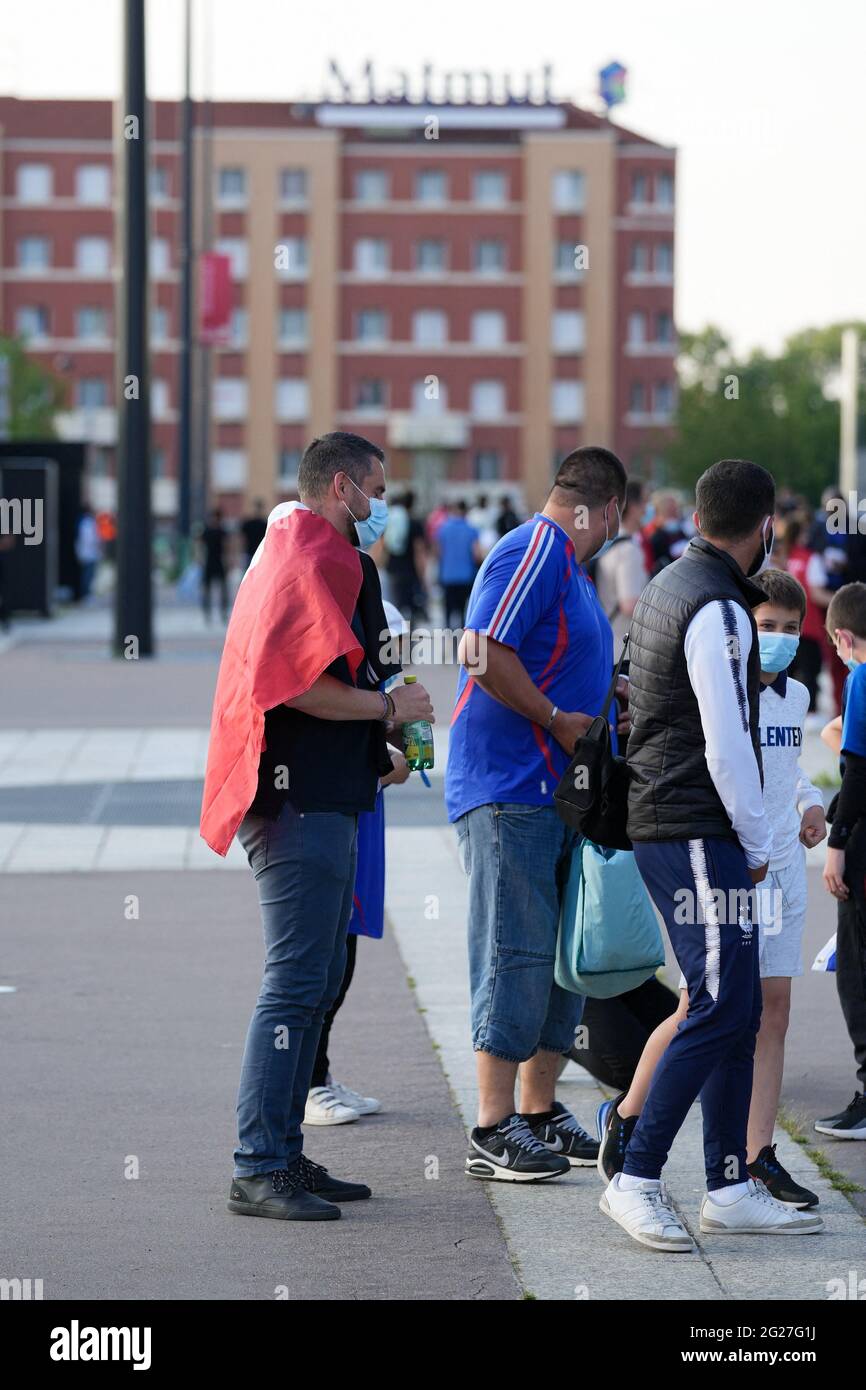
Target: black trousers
(322,1065)
(456,598)
(618,1028)
(851,949)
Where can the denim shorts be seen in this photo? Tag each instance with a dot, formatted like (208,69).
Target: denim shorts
(517,859)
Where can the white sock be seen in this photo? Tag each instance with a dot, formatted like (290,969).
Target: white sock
(627,1183)
(724,1196)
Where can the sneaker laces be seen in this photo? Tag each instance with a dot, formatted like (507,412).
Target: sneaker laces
(567,1122)
(311,1175)
(286,1180)
(518,1132)
(659,1202)
(760,1193)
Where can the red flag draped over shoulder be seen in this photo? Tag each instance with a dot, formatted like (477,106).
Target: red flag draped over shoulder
(291,618)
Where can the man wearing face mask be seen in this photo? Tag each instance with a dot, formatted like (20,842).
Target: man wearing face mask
(702,839)
(536,655)
(298,744)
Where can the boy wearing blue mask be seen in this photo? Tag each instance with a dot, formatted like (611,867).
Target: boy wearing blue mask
(845,869)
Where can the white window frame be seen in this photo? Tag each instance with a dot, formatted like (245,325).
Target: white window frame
(238,251)
(488,399)
(99,176)
(230,398)
(85,251)
(568,330)
(384,182)
(33,239)
(568,190)
(479,336)
(567,402)
(291,400)
(38,174)
(501,177)
(298,339)
(371,256)
(430,327)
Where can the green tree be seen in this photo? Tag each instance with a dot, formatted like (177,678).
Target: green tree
(779,411)
(35,395)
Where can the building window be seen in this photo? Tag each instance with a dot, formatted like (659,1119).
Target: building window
(160,399)
(93,255)
(564,259)
(663,398)
(157,464)
(293,327)
(372,255)
(430,256)
(160,256)
(291,399)
(637,328)
(231,188)
(293,185)
(566,402)
(33,253)
(236,250)
(665,190)
(639,188)
(567,330)
(160,324)
(486,466)
(229,398)
(569,190)
(288,463)
(91,322)
(487,400)
(228,470)
(370,394)
(430,327)
(91,392)
(489,256)
(239,328)
(488,328)
(664,328)
(371,326)
(429,398)
(664,258)
(371,186)
(32,321)
(93,184)
(431,186)
(637,398)
(34,183)
(159,181)
(638,259)
(490,187)
(292,257)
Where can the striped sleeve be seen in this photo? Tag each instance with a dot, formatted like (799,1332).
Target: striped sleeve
(516,587)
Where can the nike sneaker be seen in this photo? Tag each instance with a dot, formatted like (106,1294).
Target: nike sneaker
(512,1153)
(561,1134)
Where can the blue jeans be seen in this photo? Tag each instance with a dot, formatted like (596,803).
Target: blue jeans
(517,859)
(304,866)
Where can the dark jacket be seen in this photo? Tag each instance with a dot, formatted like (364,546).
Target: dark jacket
(671,793)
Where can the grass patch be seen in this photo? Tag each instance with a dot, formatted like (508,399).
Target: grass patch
(795,1131)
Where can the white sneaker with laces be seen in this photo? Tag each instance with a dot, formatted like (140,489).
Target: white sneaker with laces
(646,1214)
(325,1107)
(756,1213)
(365,1105)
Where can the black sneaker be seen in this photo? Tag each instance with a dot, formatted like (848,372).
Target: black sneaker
(280,1195)
(511,1153)
(562,1134)
(615,1134)
(319,1182)
(850,1123)
(778,1181)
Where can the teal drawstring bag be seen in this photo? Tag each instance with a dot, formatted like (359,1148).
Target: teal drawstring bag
(609,939)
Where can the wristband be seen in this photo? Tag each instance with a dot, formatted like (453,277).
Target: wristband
(386,706)
(553,713)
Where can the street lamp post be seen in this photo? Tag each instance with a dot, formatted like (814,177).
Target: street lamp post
(186,261)
(133,619)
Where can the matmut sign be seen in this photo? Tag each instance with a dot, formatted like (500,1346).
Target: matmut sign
(448,86)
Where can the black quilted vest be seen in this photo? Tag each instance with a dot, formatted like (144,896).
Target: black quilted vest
(671,793)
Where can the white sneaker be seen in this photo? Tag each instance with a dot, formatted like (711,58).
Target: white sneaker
(646,1213)
(365,1105)
(756,1213)
(325,1107)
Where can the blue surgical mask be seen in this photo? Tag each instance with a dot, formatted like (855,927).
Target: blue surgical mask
(852,663)
(778,650)
(373,526)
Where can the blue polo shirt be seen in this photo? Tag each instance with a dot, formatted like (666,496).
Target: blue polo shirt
(531,595)
(854,713)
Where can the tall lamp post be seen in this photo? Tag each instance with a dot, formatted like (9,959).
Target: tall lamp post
(186,263)
(133,617)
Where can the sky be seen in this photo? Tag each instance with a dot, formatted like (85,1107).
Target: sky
(762,98)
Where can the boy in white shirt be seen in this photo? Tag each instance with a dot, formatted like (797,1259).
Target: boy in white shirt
(795,811)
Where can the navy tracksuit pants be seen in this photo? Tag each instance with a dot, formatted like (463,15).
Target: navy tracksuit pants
(712,1052)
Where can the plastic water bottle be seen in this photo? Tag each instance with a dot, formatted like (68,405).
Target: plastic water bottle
(417,740)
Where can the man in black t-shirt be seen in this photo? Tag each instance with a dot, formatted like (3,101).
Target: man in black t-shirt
(324,753)
(253,530)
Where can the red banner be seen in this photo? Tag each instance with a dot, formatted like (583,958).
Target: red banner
(215,298)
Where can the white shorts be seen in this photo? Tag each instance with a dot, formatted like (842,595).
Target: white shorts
(780,903)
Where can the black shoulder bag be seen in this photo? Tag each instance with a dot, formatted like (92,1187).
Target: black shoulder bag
(592,796)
